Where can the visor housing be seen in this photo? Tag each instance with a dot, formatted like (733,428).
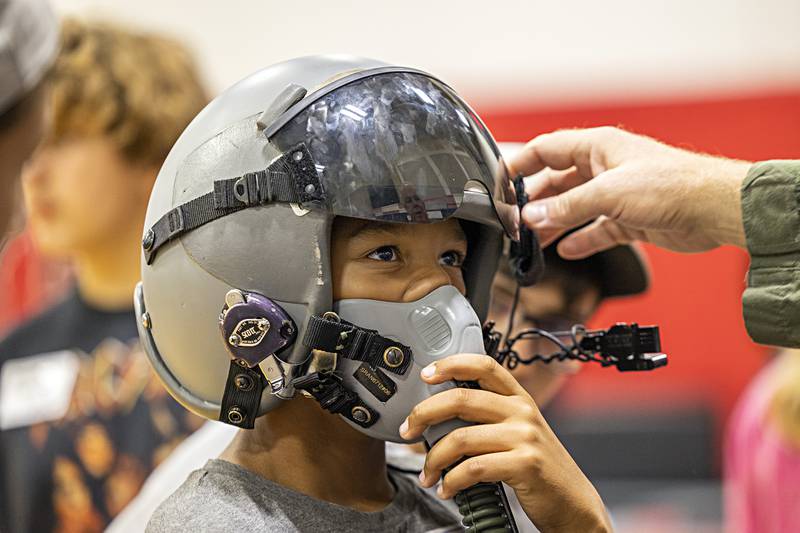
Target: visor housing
(396,146)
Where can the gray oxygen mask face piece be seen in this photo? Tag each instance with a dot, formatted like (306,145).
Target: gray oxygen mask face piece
(440,324)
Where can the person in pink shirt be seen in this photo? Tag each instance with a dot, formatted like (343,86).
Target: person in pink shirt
(762,452)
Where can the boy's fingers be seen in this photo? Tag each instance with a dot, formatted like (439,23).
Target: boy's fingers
(467,442)
(484,468)
(473,367)
(471,405)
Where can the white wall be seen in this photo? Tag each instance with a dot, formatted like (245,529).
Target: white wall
(498,52)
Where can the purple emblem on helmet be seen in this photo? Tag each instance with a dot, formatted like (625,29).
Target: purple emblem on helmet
(254,327)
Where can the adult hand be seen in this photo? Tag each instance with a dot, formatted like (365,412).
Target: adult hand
(633,188)
(511,443)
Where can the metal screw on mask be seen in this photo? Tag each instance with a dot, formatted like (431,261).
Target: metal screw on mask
(361,414)
(243,382)
(287,330)
(235,416)
(393,356)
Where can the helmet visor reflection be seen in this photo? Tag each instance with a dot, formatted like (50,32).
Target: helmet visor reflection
(398,147)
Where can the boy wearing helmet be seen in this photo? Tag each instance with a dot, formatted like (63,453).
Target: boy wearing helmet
(317,247)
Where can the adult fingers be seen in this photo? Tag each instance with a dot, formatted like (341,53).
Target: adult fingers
(549,182)
(600,235)
(573,207)
(585,149)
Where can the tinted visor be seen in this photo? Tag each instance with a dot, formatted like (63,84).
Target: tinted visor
(396,146)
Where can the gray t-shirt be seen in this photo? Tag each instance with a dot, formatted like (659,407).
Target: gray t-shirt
(223,497)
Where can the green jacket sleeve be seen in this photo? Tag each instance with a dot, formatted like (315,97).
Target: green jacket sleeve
(771,215)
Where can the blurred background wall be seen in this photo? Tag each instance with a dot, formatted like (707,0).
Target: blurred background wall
(721,76)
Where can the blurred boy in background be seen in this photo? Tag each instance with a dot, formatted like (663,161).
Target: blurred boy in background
(82,420)
(569,293)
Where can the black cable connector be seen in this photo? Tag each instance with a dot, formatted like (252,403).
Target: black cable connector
(629,347)
(632,347)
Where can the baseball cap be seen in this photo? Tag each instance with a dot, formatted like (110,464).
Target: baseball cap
(28,45)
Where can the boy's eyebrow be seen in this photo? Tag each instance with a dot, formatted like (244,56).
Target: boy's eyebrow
(369,228)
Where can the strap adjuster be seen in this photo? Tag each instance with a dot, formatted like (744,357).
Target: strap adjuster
(331,334)
(291,178)
(334,397)
(175,223)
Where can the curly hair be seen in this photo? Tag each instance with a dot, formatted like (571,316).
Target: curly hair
(139,90)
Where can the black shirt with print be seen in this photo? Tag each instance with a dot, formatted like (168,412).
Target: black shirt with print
(76,473)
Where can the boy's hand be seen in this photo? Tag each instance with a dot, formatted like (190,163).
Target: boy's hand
(511,443)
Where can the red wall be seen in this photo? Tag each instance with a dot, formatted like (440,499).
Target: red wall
(694,298)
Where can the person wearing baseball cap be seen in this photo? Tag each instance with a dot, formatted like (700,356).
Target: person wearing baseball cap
(28,45)
(569,292)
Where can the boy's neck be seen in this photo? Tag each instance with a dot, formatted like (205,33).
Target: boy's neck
(306,449)
(107,275)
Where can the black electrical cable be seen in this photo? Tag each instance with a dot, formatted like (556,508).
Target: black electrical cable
(513,312)
(511,358)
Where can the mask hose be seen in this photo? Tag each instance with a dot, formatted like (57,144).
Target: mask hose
(484,507)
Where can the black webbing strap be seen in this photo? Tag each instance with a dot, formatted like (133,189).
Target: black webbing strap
(242,396)
(332,395)
(290,178)
(357,343)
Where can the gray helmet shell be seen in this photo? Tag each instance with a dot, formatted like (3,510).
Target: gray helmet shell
(277,249)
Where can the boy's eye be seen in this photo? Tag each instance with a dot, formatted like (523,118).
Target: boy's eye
(452,259)
(384,253)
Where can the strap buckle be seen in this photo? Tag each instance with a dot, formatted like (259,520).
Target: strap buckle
(333,396)
(329,333)
(175,222)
